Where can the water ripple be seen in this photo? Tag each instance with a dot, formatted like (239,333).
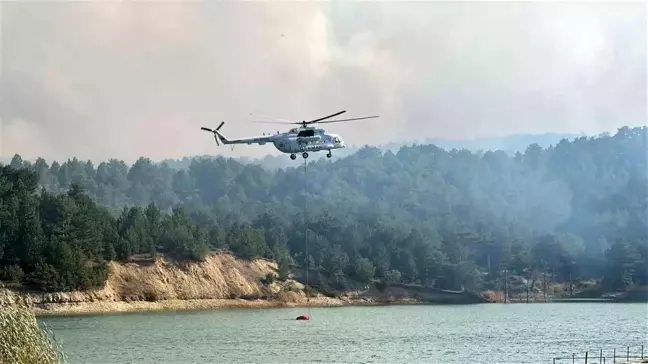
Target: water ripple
(492,333)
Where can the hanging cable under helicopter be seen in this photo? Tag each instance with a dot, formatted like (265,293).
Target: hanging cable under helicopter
(306,255)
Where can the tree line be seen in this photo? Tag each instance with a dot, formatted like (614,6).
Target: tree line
(447,218)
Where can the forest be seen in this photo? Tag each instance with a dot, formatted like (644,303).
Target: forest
(452,219)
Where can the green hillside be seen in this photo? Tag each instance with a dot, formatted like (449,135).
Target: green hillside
(449,218)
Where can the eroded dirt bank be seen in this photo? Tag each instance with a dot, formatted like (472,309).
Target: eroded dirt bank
(223,281)
(220,280)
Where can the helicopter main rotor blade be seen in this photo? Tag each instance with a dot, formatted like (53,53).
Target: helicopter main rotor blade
(340,120)
(324,118)
(319,120)
(272,122)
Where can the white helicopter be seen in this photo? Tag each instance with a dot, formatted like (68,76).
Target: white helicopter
(297,140)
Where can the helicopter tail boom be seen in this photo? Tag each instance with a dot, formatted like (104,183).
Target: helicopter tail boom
(222,137)
(252,140)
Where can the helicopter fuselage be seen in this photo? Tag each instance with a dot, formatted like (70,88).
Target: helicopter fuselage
(307,140)
(299,140)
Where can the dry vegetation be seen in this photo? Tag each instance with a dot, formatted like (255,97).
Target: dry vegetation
(23,341)
(493,296)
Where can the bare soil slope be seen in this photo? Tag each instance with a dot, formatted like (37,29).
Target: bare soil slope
(221,280)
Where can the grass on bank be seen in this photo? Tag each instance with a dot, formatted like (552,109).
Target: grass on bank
(23,341)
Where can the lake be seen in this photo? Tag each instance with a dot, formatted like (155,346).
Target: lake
(487,333)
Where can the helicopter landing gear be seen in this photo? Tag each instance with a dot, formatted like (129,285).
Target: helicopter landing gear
(305,155)
(293,157)
(329,155)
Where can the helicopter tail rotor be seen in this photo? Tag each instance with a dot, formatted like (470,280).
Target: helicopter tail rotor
(217,135)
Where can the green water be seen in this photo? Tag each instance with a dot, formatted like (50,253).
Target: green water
(490,333)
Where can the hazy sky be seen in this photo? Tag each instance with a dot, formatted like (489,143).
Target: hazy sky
(125,79)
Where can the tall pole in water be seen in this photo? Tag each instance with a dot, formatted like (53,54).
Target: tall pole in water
(571,287)
(527,289)
(544,285)
(505,285)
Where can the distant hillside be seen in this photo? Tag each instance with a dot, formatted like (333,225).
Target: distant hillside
(448,219)
(509,144)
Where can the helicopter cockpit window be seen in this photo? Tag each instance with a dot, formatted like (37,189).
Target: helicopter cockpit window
(336,140)
(306,133)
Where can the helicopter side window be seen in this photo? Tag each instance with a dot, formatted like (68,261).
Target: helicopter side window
(306,133)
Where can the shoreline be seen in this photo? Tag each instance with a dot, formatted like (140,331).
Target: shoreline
(118,307)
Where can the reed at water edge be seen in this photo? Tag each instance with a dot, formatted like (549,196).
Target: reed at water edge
(23,341)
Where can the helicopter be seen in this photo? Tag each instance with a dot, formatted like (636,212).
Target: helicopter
(302,139)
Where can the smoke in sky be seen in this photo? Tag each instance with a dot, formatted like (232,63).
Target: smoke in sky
(126,79)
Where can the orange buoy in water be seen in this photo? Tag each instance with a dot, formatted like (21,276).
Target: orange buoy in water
(303,317)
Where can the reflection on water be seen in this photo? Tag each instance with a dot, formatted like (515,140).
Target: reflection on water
(490,333)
